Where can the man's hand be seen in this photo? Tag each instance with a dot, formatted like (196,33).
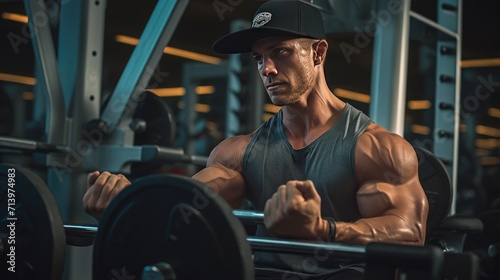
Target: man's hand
(294,211)
(101,189)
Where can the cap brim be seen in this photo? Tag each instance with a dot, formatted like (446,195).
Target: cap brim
(241,41)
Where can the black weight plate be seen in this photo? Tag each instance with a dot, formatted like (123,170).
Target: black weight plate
(160,125)
(436,183)
(174,220)
(38,241)
(159,131)
(159,119)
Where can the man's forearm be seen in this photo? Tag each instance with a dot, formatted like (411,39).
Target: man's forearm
(389,229)
(225,183)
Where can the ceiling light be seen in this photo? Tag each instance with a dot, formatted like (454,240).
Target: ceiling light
(202,108)
(361,97)
(168,92)
(192,55)
(487,62)
(494,112)
(463,128)
(126,40)
(28,95)
(180,91)
(204,89)
(420,129)
(15,17)
(488,131)
(419,104)
(489,161)
(198,107)
(17,79)
(172,51)
(266,117)
(489,143)
(210,125)
(271,108)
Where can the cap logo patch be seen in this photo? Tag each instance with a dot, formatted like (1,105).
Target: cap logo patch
(261,19)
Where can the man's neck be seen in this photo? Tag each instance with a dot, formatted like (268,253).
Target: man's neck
(310,117)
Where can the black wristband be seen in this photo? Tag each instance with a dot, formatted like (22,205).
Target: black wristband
(333,229)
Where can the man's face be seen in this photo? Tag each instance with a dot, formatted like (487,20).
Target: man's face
(286,67)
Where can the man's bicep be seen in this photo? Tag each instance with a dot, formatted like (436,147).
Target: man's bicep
(390,199)
(378,198)
(217,176)
(387,167)
(392,188)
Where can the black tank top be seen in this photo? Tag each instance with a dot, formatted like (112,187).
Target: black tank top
(270,161)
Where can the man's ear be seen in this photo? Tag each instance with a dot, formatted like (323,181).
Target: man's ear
(320,49)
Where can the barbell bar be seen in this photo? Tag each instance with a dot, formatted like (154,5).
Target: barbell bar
(19,144)
(79,235)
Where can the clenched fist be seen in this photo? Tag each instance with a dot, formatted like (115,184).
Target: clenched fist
(294,211)
(101,189)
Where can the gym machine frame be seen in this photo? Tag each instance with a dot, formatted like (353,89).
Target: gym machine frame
(71,87)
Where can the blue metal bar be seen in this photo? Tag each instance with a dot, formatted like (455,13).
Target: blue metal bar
(249,217)
(45,57)
(448,78)
(434,25)
(389,70)
(337,250)
(143,61)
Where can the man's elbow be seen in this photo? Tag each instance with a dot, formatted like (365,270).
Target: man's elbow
(417,234)
(421,233)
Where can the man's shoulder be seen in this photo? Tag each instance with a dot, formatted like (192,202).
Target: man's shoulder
(237,140)
(229,152)
(377,133)
(382,151)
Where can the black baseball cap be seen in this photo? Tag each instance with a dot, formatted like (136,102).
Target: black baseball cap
(275,18)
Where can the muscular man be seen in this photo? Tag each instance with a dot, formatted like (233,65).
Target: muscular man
(319,169)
